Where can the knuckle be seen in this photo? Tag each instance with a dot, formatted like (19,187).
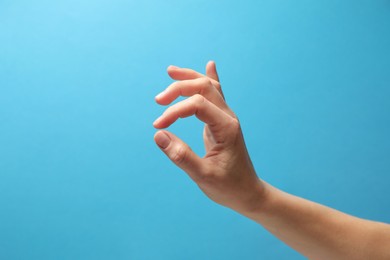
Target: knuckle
(204,85)
(235,123)
(235,126)
(205,81)
(179,155)
(174,85)
(169,110)
(197,98)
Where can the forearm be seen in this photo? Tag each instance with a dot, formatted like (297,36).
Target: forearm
(319,232)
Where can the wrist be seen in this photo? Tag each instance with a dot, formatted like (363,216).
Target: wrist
(257,203)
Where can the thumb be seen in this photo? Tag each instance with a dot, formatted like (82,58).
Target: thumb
(179,153)
(211,71)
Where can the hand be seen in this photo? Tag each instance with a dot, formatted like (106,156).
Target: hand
(225,174)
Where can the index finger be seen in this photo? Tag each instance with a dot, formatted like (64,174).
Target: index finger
(177,73)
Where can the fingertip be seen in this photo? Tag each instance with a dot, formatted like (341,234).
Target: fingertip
(158,97)
(162,139)
(156,123)
(155,134)
(171,70)
(172,67)
(211,70)
(211,62)
(161,100)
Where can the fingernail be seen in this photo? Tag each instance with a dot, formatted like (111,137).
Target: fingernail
(156,121)
(159,95)
(172,67)
(162,140)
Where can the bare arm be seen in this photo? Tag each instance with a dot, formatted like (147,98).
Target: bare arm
(226,175)
(320,232)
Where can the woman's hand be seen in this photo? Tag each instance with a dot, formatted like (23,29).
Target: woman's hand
(225,174)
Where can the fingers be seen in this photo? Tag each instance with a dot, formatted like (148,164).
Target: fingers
(202,86)
(204,110)
(211,71)
(179,153)
(196,105)
(177,73)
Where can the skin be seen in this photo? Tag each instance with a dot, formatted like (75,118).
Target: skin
(227,176)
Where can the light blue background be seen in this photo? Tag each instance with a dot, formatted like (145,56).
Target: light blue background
(80,175)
